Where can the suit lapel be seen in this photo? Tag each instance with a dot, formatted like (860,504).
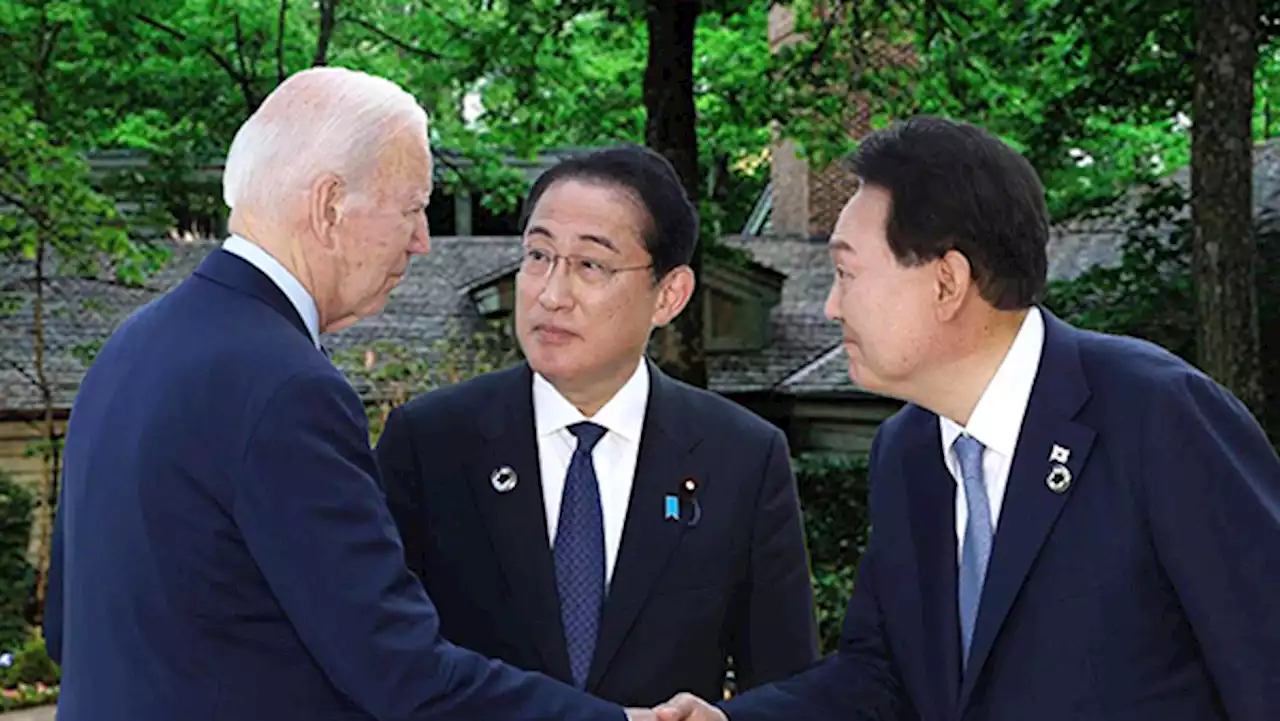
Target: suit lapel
(1031,508)
(516,520)
(648,539)
(933,523)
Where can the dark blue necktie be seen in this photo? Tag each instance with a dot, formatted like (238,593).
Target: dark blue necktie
(579,553)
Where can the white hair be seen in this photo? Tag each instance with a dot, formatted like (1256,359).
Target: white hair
(320,120)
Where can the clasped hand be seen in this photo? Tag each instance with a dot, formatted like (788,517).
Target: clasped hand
(681,707)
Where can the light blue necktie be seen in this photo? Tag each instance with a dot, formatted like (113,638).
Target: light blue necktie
(977,539)
(579,553)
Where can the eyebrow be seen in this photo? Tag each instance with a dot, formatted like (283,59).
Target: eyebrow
(835,244)
(597,239)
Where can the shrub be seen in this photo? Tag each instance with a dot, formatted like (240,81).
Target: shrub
(17,574)
(32,665)
(833,496)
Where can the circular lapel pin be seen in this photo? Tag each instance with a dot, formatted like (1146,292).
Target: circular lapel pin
(690,485)
(503,479)
(1059,479)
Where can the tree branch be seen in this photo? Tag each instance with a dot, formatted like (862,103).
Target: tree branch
(413,49)
(280,72)
(328,21)
(22,371)
(46,49)
(246,87)
(37,217)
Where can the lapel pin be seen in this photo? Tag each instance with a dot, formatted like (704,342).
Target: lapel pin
(690,485)
(503,479)
(672,510)
(1059,454)
(1059,479)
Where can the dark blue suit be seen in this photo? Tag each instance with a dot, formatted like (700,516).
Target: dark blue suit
(223,550)
(1148,589)
(684,596)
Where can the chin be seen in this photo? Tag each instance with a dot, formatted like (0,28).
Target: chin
(553,363)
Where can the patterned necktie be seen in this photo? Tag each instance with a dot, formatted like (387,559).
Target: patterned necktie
(977,538)
(579,553)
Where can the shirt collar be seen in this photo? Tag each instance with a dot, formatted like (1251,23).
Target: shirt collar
(286,281)
(997,418)
(623,414)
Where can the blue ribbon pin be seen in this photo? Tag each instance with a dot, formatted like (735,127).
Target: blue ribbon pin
(673,509)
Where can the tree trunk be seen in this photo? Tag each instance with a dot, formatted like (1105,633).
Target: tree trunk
(1224,249)
(46,505)
(671,129)
(47,494)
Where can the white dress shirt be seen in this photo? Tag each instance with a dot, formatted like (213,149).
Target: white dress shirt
(996,420)
(614,457)
(288,284)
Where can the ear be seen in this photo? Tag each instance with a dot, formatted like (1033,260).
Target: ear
(952,281)
(674,292)
(324,203)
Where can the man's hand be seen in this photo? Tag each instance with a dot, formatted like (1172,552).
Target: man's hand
(687,707)
(640,714)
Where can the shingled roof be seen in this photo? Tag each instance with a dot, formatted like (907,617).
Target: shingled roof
(430,303)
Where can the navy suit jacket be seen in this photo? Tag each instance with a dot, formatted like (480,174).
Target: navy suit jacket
(730,577)
(223,549)
(1148,588)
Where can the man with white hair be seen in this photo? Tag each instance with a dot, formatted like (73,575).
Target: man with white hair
(222,549)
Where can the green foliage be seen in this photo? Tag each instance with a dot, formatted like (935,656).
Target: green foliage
(394,374)
(1149,294)
(1097,95)
(32,665)
(17,576)
(833,496)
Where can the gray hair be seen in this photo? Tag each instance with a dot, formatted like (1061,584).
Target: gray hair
(320,120)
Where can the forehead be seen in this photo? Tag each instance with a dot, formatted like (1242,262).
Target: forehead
(404,167)
(570,209)
(861,229)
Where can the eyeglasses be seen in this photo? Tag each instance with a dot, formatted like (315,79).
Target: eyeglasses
(539,263)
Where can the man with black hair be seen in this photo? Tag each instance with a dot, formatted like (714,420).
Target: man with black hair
(583,514)
(1066,525)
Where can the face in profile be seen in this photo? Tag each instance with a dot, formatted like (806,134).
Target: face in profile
(885,308)
(586,300)
(383,224)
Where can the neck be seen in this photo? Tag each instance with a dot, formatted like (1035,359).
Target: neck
(954,388)
(290,254)
(590,397)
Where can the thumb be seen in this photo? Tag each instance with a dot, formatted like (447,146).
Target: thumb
(681,706)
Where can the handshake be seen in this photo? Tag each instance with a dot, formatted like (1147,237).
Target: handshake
(681,707)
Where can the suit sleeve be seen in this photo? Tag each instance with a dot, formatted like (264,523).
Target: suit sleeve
(312,515)
(401,481)
(779,636)
(52,621)
(859,682)
(1213,499)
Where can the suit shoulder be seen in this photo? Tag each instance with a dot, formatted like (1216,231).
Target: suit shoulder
(727,415)
(1133,364)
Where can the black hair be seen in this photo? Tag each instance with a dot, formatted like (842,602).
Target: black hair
(956,186)
(670,233)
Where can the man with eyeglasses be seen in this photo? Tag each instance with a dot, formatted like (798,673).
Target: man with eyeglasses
(583,514)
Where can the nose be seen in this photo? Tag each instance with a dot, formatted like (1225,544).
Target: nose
(421,241)
(831,309)
(556,292)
